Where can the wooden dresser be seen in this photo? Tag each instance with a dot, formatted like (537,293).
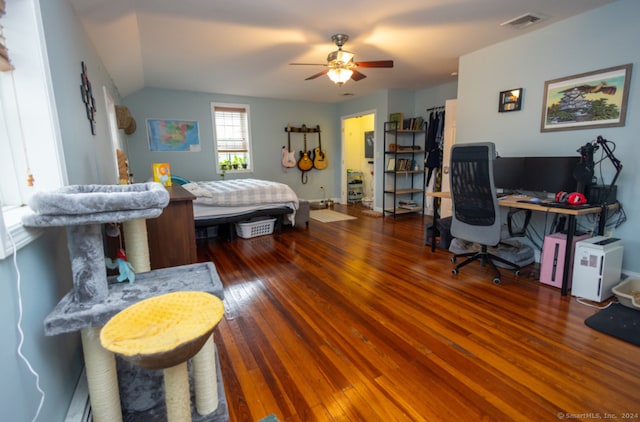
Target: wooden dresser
(172,237)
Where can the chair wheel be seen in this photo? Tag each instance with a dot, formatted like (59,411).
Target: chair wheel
(453,260)
(454,271)
(497,281)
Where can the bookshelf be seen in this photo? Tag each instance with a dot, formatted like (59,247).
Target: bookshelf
(404,174)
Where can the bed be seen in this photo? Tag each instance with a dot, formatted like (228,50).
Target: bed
(223,203)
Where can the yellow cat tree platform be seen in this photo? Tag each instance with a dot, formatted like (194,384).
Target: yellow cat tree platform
(163,332)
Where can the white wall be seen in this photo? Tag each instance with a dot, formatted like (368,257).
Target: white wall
(598,39)
(434,97)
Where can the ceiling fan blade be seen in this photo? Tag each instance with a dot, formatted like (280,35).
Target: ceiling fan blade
(356,76)
(376,63)
(324,72)
(308,64)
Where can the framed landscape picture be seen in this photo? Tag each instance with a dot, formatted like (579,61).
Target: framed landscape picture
(587,100)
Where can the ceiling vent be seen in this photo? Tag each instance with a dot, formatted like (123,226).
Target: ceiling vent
(522,21)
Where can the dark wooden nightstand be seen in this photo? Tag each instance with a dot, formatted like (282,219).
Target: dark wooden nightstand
(172,236)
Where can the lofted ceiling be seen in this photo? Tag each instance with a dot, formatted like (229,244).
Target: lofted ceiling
(243,47)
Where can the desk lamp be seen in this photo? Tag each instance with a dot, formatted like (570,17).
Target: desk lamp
(600,194)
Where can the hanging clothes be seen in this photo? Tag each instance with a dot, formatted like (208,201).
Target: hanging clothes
(434,142)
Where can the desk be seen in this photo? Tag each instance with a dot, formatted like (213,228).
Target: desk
(511,201)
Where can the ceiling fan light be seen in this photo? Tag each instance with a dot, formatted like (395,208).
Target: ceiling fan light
(340,76)
(340,56)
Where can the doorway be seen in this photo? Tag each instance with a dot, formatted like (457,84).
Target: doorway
(358,152)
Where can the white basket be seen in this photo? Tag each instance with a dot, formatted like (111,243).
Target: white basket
(255,228)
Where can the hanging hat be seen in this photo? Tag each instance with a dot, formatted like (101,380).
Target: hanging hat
(125,120)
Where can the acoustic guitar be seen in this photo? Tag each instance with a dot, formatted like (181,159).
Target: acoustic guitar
(305,163)
(288,156)
(320,161)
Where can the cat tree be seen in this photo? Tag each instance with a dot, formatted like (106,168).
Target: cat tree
(96,298)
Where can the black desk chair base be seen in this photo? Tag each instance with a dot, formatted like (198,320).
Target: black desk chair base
(483,256)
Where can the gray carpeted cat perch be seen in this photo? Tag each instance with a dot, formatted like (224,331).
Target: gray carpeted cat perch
(95,298)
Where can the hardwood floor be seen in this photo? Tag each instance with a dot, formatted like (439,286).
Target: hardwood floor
(359,321)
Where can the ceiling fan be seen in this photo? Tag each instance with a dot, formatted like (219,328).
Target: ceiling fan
(340,64)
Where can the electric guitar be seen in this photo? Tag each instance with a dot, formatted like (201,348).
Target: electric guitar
(305,163)
(320,161)
(288,156)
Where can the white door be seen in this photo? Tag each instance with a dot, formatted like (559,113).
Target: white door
(450,108)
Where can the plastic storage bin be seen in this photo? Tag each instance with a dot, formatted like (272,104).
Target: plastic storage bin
(255,228)
(628,293)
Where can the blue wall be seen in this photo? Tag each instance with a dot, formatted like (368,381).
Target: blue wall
(268,120)
(44,264)
(598,39)
(45,277)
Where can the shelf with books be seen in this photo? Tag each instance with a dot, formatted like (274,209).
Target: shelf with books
(404,175)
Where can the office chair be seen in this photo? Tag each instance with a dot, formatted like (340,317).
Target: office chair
(476,213)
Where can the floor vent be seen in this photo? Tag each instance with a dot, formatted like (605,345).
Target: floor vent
(522,21)
(80,407)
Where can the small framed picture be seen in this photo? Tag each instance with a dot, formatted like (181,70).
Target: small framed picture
(510,100)
(395,121)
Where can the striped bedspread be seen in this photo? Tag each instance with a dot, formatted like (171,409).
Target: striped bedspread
(231,193)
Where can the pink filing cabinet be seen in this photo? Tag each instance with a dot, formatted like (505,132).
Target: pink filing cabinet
(552,259)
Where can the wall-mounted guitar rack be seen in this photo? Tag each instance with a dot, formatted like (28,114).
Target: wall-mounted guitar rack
(306,161)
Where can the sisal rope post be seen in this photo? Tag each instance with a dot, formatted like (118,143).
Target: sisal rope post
(102,377)
(176,391)
(205,378)
(135,234)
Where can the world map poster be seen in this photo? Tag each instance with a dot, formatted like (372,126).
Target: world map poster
(173,135)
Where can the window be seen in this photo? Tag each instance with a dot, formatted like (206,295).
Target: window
(232,137)
(28,122)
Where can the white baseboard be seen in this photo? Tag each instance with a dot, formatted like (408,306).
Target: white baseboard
(80,407)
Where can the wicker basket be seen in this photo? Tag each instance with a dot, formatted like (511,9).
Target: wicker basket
(255,228)
(125,120)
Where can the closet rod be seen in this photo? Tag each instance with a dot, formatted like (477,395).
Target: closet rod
(435,108)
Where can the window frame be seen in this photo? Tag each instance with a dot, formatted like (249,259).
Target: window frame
(216,146)
(39,132)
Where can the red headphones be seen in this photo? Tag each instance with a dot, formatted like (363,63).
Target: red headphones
(574,198)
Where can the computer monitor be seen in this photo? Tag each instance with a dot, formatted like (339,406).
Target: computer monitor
(535,174)
(550,174)
(508,173)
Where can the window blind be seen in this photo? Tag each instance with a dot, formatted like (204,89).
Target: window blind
(231,129)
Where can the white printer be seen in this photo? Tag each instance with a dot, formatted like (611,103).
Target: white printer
(597,267)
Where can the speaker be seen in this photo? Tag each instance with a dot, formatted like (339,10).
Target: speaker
(573,198)
(599,194)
